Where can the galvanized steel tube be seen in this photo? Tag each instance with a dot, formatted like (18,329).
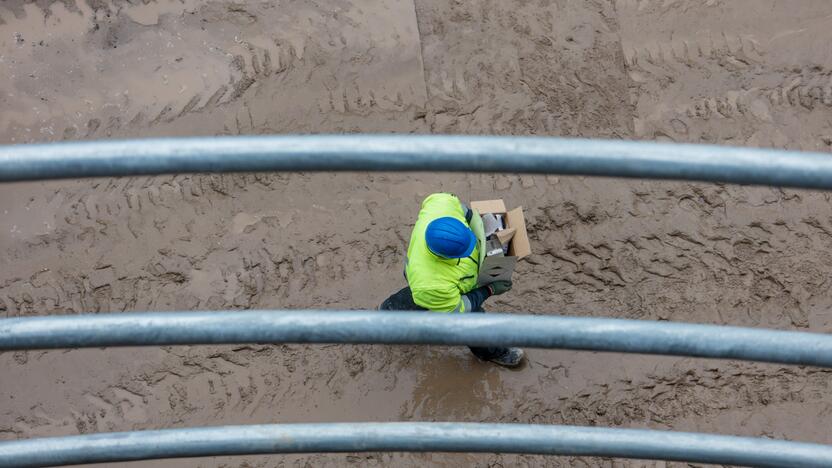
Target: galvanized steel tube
(614,158)
(412,437)
(384,327)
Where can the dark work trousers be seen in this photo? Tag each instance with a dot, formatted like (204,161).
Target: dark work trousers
(403,300)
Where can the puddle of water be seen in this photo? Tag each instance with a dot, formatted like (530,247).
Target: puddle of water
(241,221)
(451,383)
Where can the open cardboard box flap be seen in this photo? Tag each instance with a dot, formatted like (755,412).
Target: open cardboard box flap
(489,206)
(506,235)
(520,246)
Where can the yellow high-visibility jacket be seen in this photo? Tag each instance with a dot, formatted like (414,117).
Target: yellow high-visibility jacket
(439,284)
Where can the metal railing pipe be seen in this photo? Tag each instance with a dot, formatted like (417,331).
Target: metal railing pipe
(385,327)
(615,158)
(412,437)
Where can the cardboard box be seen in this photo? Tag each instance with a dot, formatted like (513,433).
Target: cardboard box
(500,268)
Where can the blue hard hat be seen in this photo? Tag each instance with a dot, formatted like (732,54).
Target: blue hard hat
(450,238)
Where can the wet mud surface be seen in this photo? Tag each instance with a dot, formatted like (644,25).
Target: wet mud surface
(735,72)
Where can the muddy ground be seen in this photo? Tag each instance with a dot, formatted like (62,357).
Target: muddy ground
(744,72)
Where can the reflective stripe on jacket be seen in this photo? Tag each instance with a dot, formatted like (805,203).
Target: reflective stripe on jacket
(439,284)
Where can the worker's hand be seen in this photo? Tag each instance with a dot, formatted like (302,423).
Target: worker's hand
(499,287)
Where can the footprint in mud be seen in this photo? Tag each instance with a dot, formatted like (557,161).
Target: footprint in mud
(113,411)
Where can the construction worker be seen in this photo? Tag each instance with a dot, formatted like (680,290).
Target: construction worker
(443,261)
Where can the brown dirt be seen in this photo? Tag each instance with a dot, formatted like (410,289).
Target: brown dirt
(748,72)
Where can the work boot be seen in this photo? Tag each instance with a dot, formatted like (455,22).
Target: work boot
(511,357)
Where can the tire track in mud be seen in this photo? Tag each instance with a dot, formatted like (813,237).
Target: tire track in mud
(722,76)
(635,249)
(700,392)
(808,88)
(678,55)
(695,234)
(96,28)
(143,211)
(511,68)
(237,55)
(253,66)
(610,242)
